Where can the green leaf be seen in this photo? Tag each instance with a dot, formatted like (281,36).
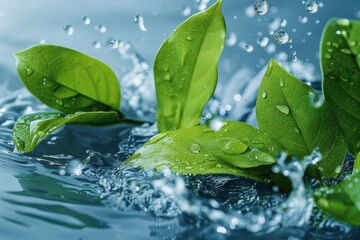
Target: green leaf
(340,63)
(237,149)
(30,130)
(67,80)
(341,201)
(186,69)
(357,162)
(297,116)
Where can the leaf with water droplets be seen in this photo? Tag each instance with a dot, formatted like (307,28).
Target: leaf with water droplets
(67,80)
(341,74)
(357,162)
(186,69)
(30,130)
(341,201)
(298,117)
(237,149)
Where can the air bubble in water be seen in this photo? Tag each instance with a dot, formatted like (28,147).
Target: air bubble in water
(186,11)
(281,37)
(101,28)
(86,20)
(311,6)
(261,7)
(303,19)
(139,21)
(231,39)
(262,41)
(69,29)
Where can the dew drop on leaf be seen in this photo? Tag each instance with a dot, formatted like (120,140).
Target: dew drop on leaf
(283,109)
(29,71)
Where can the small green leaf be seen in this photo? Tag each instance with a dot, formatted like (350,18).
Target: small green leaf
(67,80)
(340,63)
(341,201)
(200,150)
(299,118)
(30,130)
(186,69)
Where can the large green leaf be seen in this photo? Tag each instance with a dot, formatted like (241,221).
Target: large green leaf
(341,201)
(237,149)
(30,130)
(67,80)
(299,118)
(340,63)
(186,69)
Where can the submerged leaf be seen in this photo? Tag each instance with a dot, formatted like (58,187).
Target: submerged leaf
(67,80)
(237,149)
(186,69)
(341,201)
(31,129)
(298,117)
(340,63)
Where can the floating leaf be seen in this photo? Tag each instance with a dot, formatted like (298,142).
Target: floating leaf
(186,69)
(299,118)
(340,63)
(341,201)
(67,80)
(31,129)
(200,150)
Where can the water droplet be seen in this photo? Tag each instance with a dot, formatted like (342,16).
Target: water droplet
(157,138)
(281,37)
(231,39)
(189,38)
(296,129)
(201,5)
(346,51)
(283,23)
(269,69)
(44,81)
(343,22)
(311,6)
(237,97)
(327,55)
(246,47)
(29,71)
(97,44)
(113,43)
(139,21)
(59,101)
(101,28)
(323,203)
(216,124)
(86,20)
(21,121)
(202,169)
(338,169)
(261,7)
(234,147)
(69,29)
(186,11)
(264,94)
(316,100)
(41,133)
(188,167)
(303,19)
(219,165)
(167,77)
(282,83)
(262,41)
(195,148)
(283,109)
